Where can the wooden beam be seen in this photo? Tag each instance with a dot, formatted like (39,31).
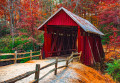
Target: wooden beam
(47,74)
(30,54)
(97,49)
(15,56)
(2,54)
(13,80)
(91,49)
(61,67)
(37,73)
(67,62)
(56,65)
(47,65)
(7,59)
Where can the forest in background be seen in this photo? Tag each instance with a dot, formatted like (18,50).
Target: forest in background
(19,20)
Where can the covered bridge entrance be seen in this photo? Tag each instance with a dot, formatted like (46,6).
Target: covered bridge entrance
(65,32)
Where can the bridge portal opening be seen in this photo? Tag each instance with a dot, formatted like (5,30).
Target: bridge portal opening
(62,40)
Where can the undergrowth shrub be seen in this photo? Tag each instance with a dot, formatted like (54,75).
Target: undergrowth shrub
(114,69)
(24,60)
(41,38)
(21,44)
(4,30)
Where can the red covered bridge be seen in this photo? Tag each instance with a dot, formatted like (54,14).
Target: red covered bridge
(65,32)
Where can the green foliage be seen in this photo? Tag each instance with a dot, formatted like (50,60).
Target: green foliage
(60,1)
(5,45)
(23,30)
(21,43)
(18,42)
(28,46)
(24,60)
(27,59)
(105,39)
(114,69)
(3,29)
(41,38)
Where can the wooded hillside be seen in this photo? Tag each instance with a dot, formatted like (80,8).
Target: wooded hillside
(19,20)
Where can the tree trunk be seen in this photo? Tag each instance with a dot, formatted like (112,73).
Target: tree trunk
(11,9)
(32,25)
(19,12)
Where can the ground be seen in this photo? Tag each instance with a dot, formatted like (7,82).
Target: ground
(111,53)
(75,73)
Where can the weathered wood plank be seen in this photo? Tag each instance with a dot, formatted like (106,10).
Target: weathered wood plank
(27,52)
(61,67)
(47,65)
(23,58)
(24,53)
(19,77)
(15,56)
(40,54)
(7,59)
(36,55)
(75,57)
(70,60)
(36,51)
(56,65)
(61,60)
(31,55)
(37,73)
(47,73)
(41,57)
(67,62)
(70,56)
(76,53)
(3,54)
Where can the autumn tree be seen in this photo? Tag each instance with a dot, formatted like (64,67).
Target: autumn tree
(109,16)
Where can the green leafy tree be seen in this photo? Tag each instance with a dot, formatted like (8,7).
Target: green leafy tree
(114,69)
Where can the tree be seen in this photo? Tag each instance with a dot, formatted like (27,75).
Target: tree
(109,16)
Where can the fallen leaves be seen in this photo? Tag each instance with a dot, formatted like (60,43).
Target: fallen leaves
(89,75)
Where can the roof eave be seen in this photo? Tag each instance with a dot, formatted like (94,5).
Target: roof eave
(48,19)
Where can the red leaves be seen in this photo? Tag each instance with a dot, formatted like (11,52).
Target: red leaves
(114,39)
(109,19)
(115,29)
(45,14)
(108,13)
(74,4)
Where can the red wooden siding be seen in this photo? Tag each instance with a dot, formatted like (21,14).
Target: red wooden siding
(98,41)
(61,19)
(90,45)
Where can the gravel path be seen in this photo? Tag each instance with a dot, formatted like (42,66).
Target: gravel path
(75,73)
(64,75)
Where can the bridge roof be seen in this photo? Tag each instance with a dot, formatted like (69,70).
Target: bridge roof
(83,23)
